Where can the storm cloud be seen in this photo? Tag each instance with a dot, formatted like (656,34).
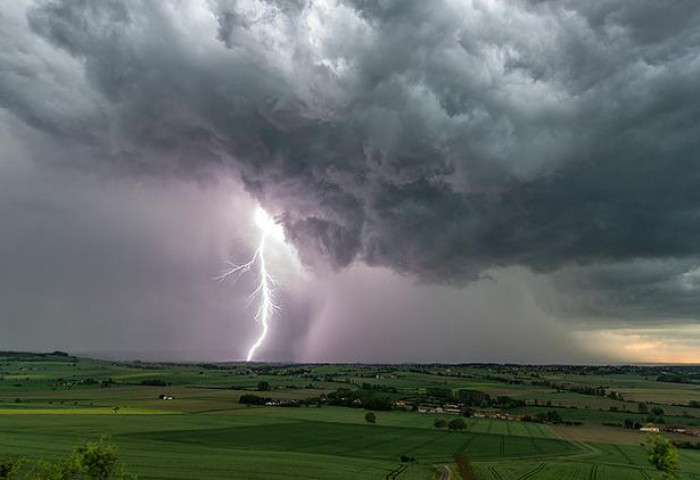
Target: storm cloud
(441,140)
(436,140)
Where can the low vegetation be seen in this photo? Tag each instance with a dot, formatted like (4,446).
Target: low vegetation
(90,461)
(489,422)
(663,456)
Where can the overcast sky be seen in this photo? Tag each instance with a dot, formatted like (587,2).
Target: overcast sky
(458,181)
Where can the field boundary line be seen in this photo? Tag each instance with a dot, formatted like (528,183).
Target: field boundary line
(432,440)
(396,472)
(528,429)
(463,447)
(535,445)
(381,442)
(533,472)
(623,454)
(594,472)
(546,432)
(495,473)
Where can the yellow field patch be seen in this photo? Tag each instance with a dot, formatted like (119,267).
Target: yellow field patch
(667,394)
(82,411)
(599,434)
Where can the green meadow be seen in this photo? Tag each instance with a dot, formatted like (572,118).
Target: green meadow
(172,421)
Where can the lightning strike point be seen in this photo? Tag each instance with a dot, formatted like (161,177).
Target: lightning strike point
(266,283)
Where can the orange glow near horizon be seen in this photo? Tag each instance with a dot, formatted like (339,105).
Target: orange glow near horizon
(680,344)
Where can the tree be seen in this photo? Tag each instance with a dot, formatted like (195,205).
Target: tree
(59,470)
(370,417)
(154,382)
(472,397)
(98,459)
(91,461)
(439,423)
(629,423)
(9,468)
(457,424)
(642,407)
(377,403)
(443,393)
(250,399)
(663,456)
(550,416)
(464,466)
(263,386)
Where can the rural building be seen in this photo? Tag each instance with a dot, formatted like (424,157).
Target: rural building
(649,428)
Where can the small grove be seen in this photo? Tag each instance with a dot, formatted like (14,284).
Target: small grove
(90,461)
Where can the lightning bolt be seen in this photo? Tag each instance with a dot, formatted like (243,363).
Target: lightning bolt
(264,293)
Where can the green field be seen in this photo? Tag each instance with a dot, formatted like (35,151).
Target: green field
(49,404)
(228,443)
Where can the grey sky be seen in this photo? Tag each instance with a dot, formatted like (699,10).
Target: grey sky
(521,168)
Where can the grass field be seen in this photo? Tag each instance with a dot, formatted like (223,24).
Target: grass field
(236,438)
(49,405)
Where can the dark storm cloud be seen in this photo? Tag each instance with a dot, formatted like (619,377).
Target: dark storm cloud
(439,140)
(638,292)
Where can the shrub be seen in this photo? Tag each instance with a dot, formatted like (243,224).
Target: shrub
(663,456)
(250,399)
(9,468)
(153,383)
(457,424)
(263,386)
(92,460)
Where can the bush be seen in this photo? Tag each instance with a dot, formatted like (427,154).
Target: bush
(250,399)
(153,383)
(464,466)
(9,468)
(263,386)
(440,423)
(92,460)
(457,424)
(549,417)
(378,403)
(437,392)
(663,456)
(98,460)
(680,444)
(370,417)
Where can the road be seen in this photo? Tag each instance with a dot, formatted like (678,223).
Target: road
(445,474)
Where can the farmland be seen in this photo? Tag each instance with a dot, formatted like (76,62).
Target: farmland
(180,421)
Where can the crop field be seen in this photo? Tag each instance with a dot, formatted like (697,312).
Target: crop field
(373,448)
(173,421)
(562,471)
